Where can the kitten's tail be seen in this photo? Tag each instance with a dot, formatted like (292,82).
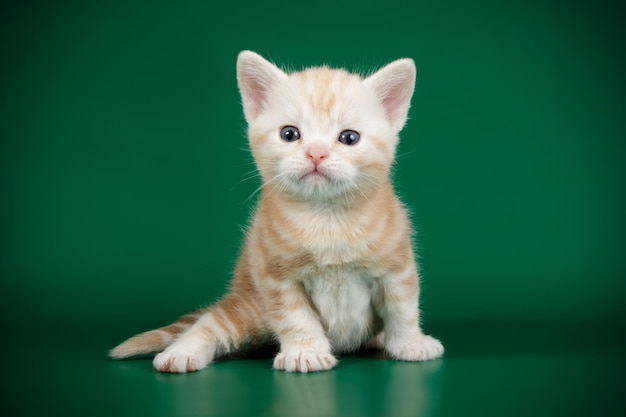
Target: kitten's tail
(154,340)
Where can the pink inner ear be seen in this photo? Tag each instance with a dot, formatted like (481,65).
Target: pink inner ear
(392,104)
(256,98)
(256,77)
(253,91)
(393,84)
(396,102)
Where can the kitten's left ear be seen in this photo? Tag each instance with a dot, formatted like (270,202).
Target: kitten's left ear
(256,78)
(393,85)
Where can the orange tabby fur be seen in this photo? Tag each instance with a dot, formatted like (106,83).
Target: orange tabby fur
(327,263)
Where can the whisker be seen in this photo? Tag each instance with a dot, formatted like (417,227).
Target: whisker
(247,176)
(405,154)
(263,185)
(356,186)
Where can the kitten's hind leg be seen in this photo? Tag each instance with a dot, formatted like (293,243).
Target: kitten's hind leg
(376,342)
(192,351)
(220,330)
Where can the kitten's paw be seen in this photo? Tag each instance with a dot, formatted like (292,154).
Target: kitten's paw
(181,358)
(304,360)
(416,348)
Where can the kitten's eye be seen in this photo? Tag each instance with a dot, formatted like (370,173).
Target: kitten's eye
(349,137)
(289,134)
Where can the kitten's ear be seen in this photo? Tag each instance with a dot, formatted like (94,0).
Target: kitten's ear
(256,77)
(394,85)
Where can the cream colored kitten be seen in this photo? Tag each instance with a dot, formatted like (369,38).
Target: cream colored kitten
(327,264)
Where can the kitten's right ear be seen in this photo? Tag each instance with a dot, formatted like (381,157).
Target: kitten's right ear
(256,77)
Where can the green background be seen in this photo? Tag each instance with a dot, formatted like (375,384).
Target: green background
(124,191)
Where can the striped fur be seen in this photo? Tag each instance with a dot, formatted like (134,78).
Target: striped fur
(327,264)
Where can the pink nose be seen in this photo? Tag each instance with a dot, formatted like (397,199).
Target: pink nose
(316,153)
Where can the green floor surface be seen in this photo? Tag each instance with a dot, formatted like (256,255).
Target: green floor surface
(488,370)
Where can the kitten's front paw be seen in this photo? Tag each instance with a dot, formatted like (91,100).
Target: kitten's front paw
(416,348)
(304,360)
(181,358)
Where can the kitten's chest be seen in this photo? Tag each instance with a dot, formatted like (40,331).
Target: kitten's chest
(343,298)
(334,240)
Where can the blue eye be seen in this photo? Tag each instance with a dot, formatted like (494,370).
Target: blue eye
(349,137)
(289,134)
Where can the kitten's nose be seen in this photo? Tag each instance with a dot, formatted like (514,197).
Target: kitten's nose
(316,153)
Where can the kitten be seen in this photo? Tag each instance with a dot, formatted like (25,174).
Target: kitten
(327,265)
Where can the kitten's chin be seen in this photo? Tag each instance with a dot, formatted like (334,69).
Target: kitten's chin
(312,186)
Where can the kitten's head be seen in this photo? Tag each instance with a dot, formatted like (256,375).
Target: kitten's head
(322,134)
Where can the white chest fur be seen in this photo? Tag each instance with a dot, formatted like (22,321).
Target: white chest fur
(343,298)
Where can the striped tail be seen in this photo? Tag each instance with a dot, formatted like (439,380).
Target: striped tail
(154,340)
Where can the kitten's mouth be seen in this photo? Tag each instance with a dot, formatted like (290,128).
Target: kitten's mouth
(315,175)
